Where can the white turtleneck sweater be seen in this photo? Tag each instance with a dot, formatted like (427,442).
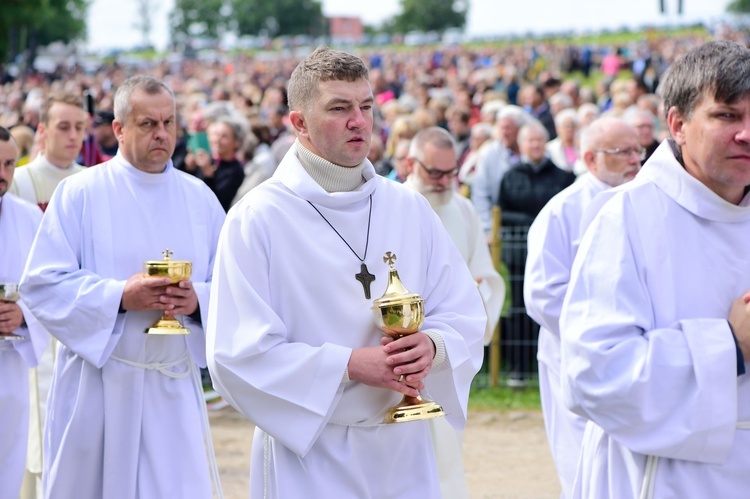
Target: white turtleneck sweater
(330,176)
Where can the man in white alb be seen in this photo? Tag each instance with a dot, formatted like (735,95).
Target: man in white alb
(433,171)
(291,339)
(610,149)
(61,130)
(125,417)
(19,221)
(655,325)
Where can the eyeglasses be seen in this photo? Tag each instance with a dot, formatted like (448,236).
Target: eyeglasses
(624,153)
(438,174)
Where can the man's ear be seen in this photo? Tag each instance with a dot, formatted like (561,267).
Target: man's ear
(676,123)
(297,119)
(409,162)
(41,130)
(589,159)
(117,128)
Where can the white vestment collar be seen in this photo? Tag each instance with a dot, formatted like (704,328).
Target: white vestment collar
(670,176)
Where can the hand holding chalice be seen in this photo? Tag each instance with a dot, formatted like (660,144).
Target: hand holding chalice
(9,295)
(399,313)
(176,271)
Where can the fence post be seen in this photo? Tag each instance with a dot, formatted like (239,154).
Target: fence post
(496,252)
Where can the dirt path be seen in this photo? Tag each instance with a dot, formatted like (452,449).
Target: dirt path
(505,455)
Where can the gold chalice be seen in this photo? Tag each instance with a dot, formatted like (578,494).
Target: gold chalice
(399,313)
(9,293)
(176,270)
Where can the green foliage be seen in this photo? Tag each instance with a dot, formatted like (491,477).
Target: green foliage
(278,17)
(739,6)
(60,20)
(504,398)
(430,15)
(205,18)
(39,22)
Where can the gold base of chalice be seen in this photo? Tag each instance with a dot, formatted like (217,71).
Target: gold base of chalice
(167,325)
(9,293)
(399,313)
(176,270)
(413,409)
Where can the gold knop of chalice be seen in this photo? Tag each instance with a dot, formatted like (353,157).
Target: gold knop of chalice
(9,293)
(399,313)
(176,270)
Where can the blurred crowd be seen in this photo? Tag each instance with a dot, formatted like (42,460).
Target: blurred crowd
(233,118)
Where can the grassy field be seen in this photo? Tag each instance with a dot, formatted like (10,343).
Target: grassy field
(505,398)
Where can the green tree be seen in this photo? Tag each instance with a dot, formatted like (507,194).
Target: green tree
(739,6)
(279,17)
(203,18)
(430,15)
(146,11)
(27,24)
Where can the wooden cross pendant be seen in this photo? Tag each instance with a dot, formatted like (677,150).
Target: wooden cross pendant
(366,279)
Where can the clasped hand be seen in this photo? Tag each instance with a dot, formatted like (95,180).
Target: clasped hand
(382,366)
(11,317)
(158,293)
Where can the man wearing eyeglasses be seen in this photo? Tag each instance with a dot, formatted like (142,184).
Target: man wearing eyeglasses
(609,148)
(432,170)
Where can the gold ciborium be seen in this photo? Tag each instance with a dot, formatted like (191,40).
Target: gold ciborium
(399,313)
(176,270)
(9,293)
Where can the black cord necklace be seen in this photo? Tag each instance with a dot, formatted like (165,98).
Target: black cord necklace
(364,276)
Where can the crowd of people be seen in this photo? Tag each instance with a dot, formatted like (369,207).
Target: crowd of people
(278,179)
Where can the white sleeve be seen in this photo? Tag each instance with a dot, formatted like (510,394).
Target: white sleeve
(669,391)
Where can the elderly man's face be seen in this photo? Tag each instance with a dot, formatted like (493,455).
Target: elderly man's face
(618,156)
(147,138)
(715,144)
(644,127)
(434,175)
(508,132)
(531,144)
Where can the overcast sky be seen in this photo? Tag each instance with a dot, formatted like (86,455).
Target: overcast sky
(112,23)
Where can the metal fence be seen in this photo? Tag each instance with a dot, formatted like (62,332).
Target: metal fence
(511,358)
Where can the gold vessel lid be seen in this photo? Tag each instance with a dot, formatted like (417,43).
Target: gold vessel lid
(167,262)
(176,270)
(395,293)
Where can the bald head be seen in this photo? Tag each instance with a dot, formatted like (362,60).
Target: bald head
(611,151)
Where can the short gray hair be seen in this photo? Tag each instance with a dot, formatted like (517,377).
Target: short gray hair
(324,64)
(533,124)
(238,127)
(587,107)
(483,129)
(566,114)
(633,113)
(148,84)
(593,135)
(561,98)
(515,113)
(721,68)
(434,135)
